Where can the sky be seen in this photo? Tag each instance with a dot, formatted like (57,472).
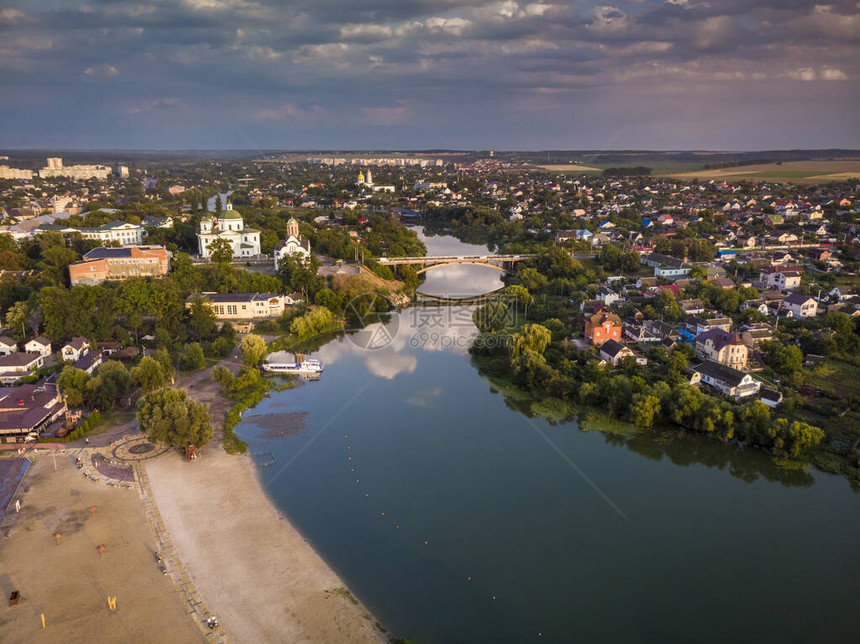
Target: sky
(418,74)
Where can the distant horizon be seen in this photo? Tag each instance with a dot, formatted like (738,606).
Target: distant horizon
(4,151)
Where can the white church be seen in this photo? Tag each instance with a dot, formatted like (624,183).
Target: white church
(228,225)
(293,244)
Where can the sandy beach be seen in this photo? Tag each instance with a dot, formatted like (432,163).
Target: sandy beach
(251,567)
(70,581)
(238,557)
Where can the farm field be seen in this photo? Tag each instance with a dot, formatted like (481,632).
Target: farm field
(570,167)
(794,171)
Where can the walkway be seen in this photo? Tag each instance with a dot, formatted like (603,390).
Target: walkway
(174,567)
(121,464)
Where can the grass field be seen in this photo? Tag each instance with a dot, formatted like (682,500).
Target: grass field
(790,171)
(840,378)
(570,167)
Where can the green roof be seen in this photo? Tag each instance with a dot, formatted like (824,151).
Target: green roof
(229,214)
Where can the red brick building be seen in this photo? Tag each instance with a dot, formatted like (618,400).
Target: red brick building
(102,264)
(602,326)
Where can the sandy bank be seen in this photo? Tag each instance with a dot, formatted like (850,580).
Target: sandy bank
(70,581)
(251,567)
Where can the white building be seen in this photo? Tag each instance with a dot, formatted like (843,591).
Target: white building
(124,233)
(801,306)
(55,168)
(15,173)
(228,225)
(40,344)
(293,244)
(7,345)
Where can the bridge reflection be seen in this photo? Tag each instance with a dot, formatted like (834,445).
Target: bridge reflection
(424,299)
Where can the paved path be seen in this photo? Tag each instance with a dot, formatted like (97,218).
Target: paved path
(181,580)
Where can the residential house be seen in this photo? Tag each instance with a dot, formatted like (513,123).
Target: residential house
(757,304)
(75,348)
(660,330)
(40,344)
(801,306)
(722,282)
(242,306)
(692,307)
(770,397)
(666,266)
(782,278)
(699,325)
(754,334)
(726,380)
(614,352)
(7,345)
(722,347)
(28,409)
(17,365)
(607,295)
(89,361)
(602,326)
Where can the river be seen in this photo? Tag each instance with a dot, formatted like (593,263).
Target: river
(456,518)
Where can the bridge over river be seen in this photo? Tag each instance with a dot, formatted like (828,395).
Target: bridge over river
(499,262)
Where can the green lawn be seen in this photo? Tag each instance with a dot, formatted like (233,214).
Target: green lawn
(836,377)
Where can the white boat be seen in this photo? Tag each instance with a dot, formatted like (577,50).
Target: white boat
(309,366)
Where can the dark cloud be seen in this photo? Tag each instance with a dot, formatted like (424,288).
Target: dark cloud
(332,73)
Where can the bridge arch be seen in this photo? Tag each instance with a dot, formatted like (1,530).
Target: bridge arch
(469,262)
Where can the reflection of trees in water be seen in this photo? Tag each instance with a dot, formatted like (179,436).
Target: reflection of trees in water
(681,448)
(685,449)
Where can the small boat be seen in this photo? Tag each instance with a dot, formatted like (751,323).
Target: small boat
(309,366)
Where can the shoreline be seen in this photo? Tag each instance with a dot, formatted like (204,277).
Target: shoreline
(251,566)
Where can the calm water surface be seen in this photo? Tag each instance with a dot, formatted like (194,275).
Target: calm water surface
(455,518)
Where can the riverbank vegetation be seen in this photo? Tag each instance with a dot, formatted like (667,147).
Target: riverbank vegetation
(564,381)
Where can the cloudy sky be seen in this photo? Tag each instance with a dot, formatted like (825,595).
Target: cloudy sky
(408,74)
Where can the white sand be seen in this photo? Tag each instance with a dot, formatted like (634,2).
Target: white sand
(255,572)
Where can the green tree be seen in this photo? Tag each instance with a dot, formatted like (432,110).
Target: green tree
(72,385)
(169,416)
(491,317)
(17,315)
(300,274)
(148,374)
(533,337)
(162,357)
(112,381)
(220,251)
(330,299)
(268,242)
(253,349)
(193,358)
(223,377)
(645,409)
(783,358)
(202,318)
(134,302)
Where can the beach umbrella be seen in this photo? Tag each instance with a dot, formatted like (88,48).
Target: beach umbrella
(101,548)
(92,510)
(57,536)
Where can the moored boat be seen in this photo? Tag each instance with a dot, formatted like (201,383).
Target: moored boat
(308,366)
